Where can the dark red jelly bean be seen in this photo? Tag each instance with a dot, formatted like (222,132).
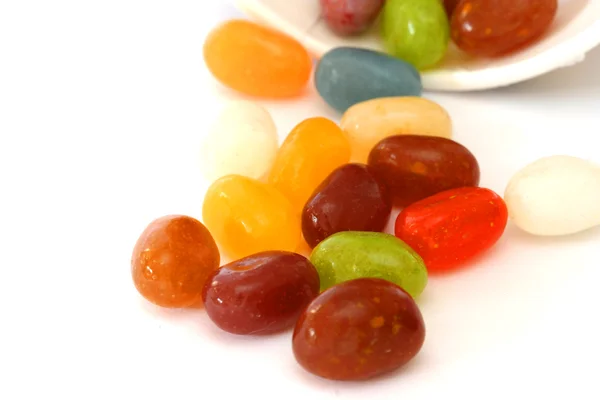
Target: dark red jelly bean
(262,293)
(357,330)
(351,198)
(451,227)
(350,17)
(415,167)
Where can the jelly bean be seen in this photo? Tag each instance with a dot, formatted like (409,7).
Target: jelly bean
(351,255)
(241,131)
(416,31)
(358,330)
(415,167)
(172,259)
(451,227)
(260,294)
(494,28)
(247,216)
(350,199)
(256,60)
(313,149)
(556,195)
(346,76)
(371,121)
(350,17)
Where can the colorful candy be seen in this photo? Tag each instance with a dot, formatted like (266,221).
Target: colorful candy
(247,216)
(346,76)
(450,5)
(172,260)
(350,199)
(452,227)
(369,122)
(358,330)
(256,60)
(313,149)
(415,167)
(351,255)
(350,17)
(416,31)
(260,294)
(241,131)
(494,28)
(557,195)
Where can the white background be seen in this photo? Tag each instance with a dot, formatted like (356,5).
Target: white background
(102,107)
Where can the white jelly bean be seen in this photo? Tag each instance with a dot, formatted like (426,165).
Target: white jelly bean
(557,195)
(242,140)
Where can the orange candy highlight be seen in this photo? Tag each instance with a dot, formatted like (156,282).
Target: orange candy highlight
(256,60)
(312,150)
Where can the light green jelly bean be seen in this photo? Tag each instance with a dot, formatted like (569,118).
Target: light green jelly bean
(351,255)
(416,31)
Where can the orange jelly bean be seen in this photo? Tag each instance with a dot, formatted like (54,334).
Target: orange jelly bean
(313,149)
(256,60)
(247,216)
(172,259)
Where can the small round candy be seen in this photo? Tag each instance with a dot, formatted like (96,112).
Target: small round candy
(415,167)
(358,330)
(256,60)
(494,28)
(247,216)
(417,31)
(260,294)
(172,260)
(242,140)
(350,17)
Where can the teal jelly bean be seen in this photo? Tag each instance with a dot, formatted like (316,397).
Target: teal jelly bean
(346,256)
(346,76)
(416,31)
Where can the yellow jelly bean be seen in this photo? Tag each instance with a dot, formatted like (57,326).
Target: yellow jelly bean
(369,122)
(312,150)
(246,216)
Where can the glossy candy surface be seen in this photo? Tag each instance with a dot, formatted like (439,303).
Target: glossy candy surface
(450,5)
(313,149)
(256,60)
(172,260)
(351,255)
(416,167)
(416,31)
(555,195)
(371,121)
(241,131)
(350,17)
(260,294)
(247,216)
(493,28)
(350,199)
(451,227)
(358,330)
(346,76)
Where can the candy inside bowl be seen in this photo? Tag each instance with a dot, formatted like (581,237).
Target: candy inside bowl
(574,31)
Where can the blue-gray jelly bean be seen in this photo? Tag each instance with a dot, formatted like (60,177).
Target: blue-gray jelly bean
(346,76)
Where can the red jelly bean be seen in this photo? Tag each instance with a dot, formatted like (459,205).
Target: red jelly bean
(262,293)
(357,330)
(453,226)
(415,167)
(351,198)
(350,17)
(494,28)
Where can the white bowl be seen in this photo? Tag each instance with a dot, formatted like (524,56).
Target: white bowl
(575,31)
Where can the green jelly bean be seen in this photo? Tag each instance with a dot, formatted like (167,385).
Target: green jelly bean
(346,256)
(416,31)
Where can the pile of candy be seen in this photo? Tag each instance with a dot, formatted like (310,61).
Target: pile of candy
(330,189)
(419,31)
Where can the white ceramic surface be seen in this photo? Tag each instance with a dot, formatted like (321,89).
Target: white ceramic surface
(574,32)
